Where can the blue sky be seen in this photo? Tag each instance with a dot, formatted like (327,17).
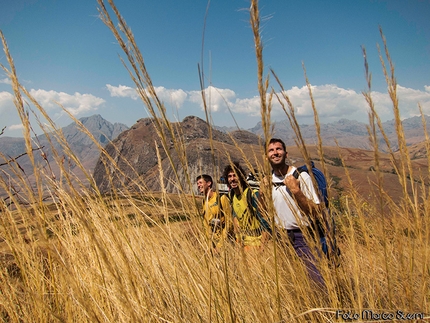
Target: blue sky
(64,53)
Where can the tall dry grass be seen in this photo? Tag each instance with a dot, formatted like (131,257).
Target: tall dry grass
(138,256)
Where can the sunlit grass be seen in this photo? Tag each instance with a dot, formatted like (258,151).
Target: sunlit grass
(141,256)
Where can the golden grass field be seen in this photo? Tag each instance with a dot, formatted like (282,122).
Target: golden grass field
(139,256)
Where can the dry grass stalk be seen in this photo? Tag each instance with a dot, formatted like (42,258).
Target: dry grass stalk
(122,257)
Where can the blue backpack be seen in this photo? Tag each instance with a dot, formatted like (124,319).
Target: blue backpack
(320,179)
(327,230)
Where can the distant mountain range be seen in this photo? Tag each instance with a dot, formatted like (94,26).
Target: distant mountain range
(349,133)
(135,149)
(82,146)
(142,161)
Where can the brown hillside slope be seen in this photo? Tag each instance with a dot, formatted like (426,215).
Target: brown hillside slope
(135,152)
(191,153)
(360,167)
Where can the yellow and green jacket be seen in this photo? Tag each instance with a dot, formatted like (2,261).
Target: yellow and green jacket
(217,219)
(244,210)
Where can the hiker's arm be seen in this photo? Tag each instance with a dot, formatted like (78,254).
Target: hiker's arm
(308,206)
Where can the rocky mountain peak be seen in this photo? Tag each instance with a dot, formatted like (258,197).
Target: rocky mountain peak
(135,154)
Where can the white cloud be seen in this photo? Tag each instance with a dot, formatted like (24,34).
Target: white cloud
(76,104)
(5,81)
(217,100)
(332,102)
(409,100)
(6,102)
(195,97)
(15,127)
(8,114)
(122,91)
(173,97)
(249,106)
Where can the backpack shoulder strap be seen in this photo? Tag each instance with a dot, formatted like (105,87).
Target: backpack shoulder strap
(227,196)
(218,201)
(230,195)
(222,197)
(320,181)
(252,196)
(304,168)
(250,200)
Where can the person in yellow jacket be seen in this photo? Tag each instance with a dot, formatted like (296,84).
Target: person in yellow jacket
(216,212)
(250,228)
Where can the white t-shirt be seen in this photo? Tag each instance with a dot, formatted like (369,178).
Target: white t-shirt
(288,214)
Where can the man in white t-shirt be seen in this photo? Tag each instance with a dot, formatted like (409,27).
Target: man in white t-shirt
(296,203)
